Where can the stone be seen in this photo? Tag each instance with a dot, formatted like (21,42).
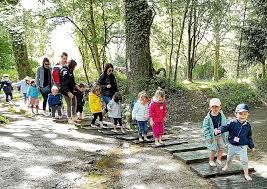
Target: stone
(170,143)
(239,182)
(186,147)
(205,170)
(112,133)
(194,156)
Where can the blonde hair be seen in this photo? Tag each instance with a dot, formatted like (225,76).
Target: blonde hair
(160,93)
(54,88)
(95,88)
(142,94)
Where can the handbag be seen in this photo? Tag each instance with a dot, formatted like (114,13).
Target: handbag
(46,90)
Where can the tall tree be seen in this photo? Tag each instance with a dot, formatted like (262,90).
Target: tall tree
(138,21)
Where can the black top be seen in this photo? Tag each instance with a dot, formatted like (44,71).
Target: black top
(46,77)
(6,86)
(216,120)
(67,80)
(80,97)
(105,80)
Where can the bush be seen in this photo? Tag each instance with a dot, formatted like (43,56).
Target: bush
(233,93)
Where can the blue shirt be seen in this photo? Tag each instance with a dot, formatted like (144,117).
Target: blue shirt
(242,131)
(33,92)
(54,100)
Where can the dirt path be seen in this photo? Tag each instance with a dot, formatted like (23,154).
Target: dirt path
(39,153)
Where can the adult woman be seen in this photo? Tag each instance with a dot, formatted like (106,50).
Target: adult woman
(44,80)
(108,84)
(24,85)
(68,87)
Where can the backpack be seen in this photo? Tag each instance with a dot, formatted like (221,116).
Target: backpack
(56,73)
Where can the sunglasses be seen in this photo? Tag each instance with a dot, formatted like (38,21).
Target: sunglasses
(110,70)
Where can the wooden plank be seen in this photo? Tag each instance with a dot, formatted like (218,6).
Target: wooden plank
(194,156)
(170,143)
(239,182)
(185,147)
(205,170)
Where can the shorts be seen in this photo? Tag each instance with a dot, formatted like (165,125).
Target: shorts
(34,101)
(79,108)
(219,143)
(240,151)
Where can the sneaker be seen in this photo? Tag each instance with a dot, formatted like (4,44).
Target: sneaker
(122,131)
(93,126)
(157,143)
(219,162)
(141,140)
(161,142)
(212,164)
(146,139)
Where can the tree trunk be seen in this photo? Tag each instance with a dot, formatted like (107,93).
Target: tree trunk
(263,68)
(139,18)
(172,33)
(180,41)
(217,51)
(241,40)
(189,52)
(21,55)
(94,37)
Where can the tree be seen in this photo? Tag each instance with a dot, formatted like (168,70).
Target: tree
(138,21)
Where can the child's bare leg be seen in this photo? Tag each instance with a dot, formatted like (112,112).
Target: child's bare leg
(37,108)
(246,174)
(157,141)
(211,157)
(219,155)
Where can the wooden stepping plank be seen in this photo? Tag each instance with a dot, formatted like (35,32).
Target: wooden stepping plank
(186,147)
(95,128)
(205,170)
(170,143)
(194,156)
(132,137)
(239,182)
(111,133)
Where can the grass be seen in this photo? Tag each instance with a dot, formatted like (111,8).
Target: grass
(3,120)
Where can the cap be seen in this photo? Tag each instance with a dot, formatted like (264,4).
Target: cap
(242,108)
(5,75)
(215,102)
(27,78)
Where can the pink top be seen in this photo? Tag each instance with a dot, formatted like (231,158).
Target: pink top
(157,111)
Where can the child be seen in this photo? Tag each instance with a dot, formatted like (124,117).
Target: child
(140,114)
(80,99)
(33,96)
(96,105)
(55,102)
(157,114)
(114,108)
(6,85)
(240,137)
(214,119)
(24,86)
(132,106)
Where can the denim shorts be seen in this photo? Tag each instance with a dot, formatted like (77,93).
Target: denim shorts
(240,151)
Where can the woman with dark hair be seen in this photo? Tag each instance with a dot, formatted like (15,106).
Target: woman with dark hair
(108,84)
(44,80)
(68,87)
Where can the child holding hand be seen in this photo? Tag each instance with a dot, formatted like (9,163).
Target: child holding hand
(214,119)
(240,137)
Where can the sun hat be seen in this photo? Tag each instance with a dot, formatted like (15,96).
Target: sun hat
(215,102)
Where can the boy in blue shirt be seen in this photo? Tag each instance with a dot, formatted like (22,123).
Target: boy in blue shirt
(240,137)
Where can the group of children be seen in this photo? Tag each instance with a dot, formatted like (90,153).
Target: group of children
(236,134)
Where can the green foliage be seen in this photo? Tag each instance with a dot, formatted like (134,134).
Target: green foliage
(6,54)
(205,71)
(233,93)
(3,120)
(119,61)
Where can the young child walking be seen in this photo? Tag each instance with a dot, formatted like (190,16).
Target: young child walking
(55,102)
(114,108)
(214,119)
(96,105)
(33,93)
(6,85)
(240,137)
(140,114)
(80,100)
(157,115)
